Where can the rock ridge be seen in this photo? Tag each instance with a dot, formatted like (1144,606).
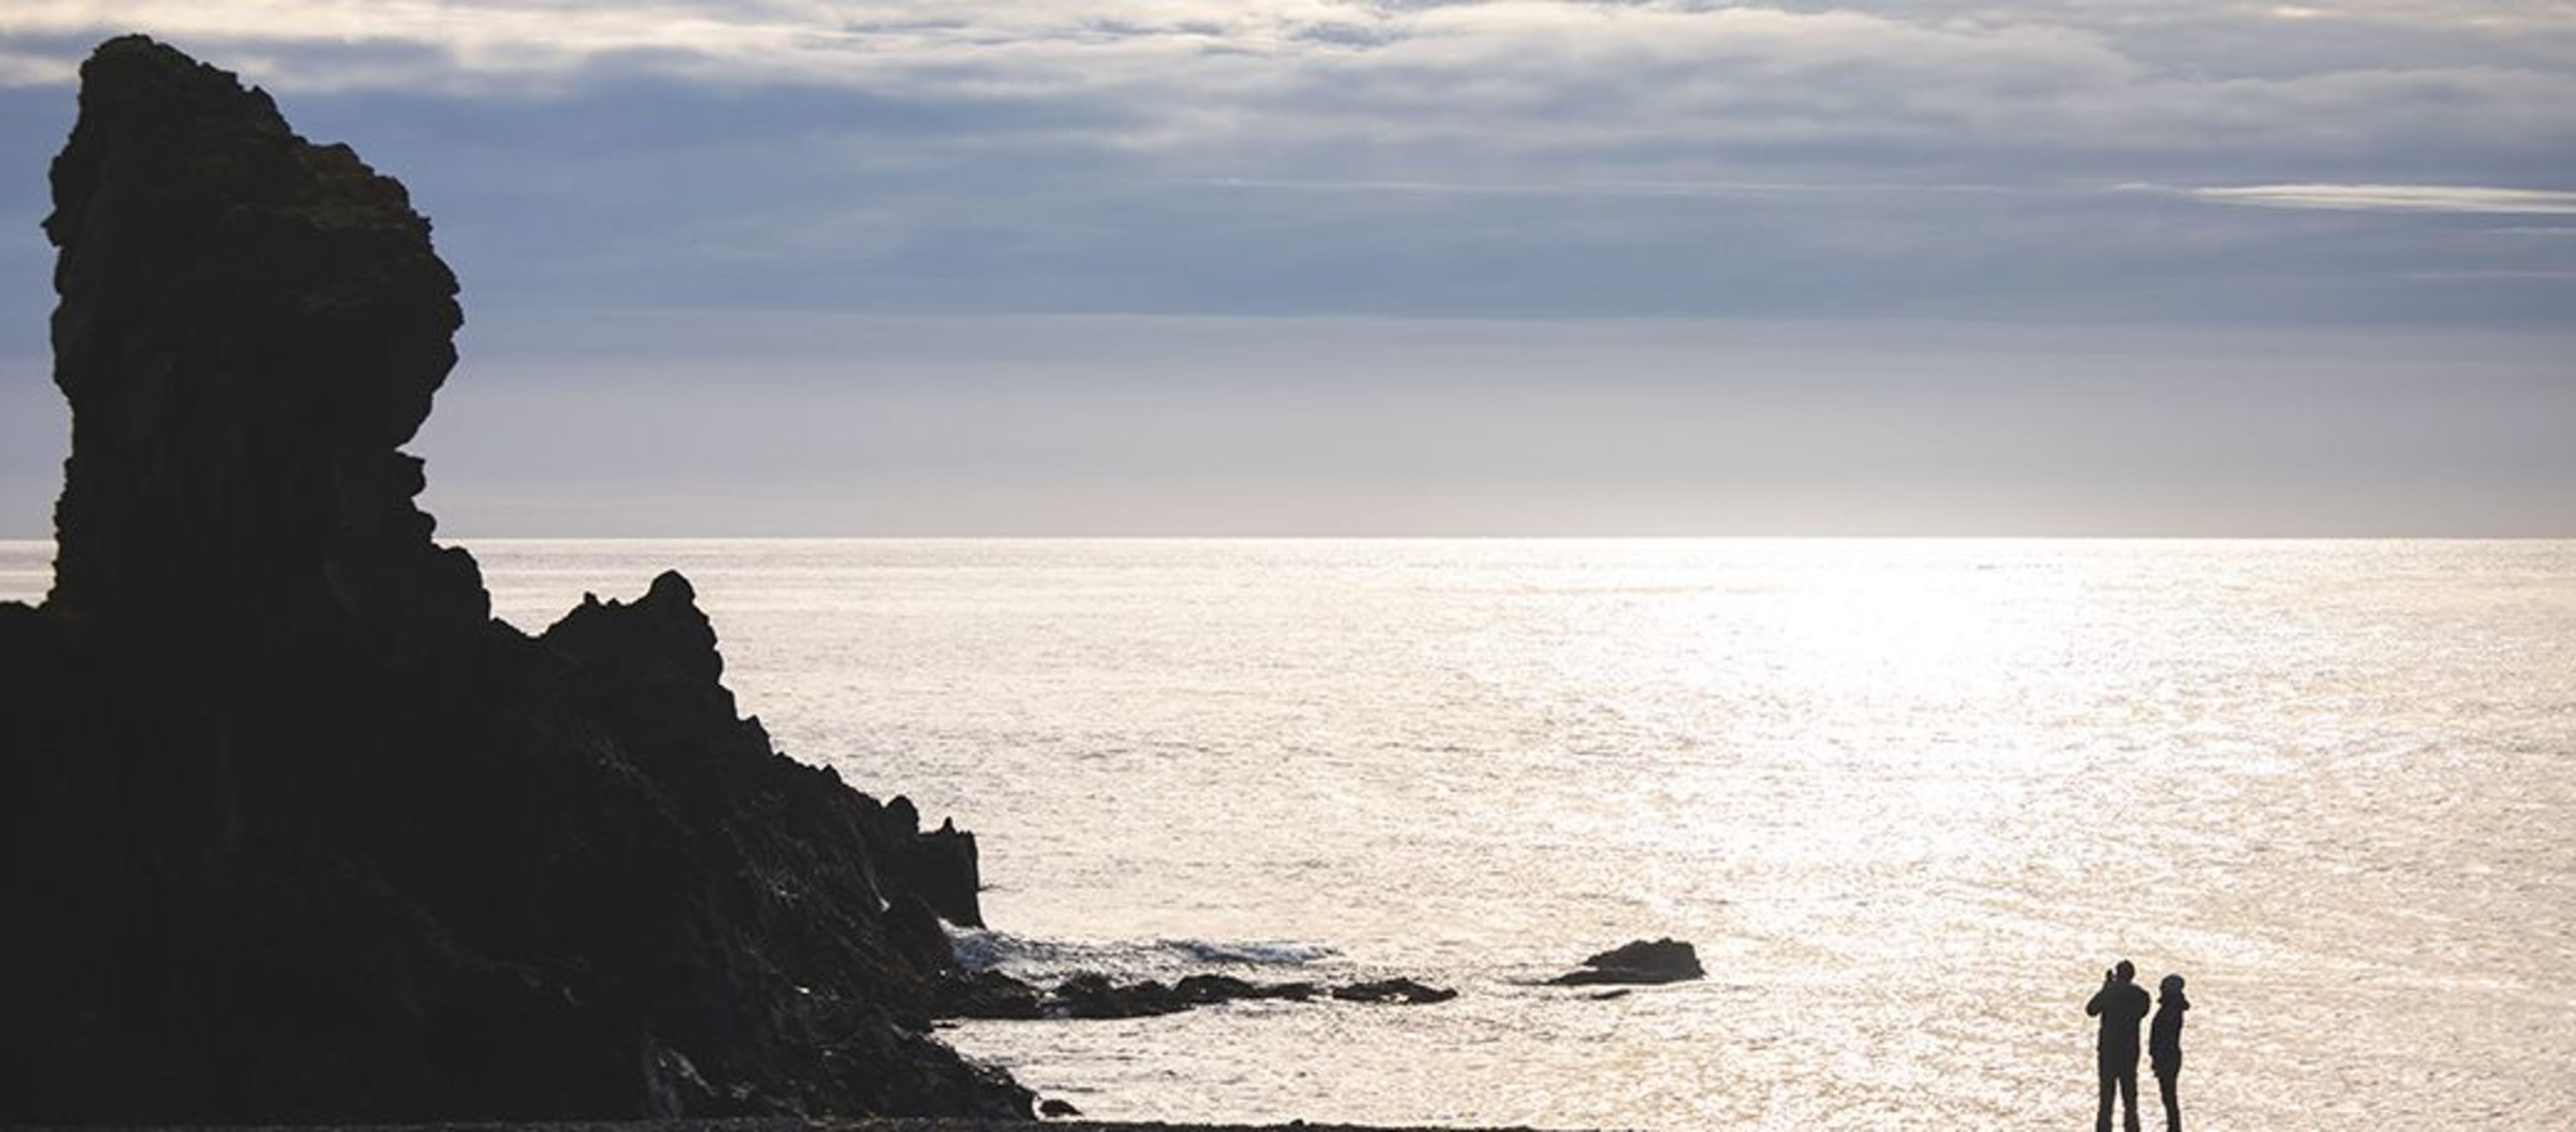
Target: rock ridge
(294,831)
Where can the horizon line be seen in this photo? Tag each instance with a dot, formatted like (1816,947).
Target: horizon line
(1740,536)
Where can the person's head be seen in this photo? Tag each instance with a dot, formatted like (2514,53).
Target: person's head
(2172,984)
(2125,972)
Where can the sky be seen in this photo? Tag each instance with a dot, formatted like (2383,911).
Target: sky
(1376,267)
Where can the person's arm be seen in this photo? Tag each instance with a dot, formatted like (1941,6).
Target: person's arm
(2093,1005)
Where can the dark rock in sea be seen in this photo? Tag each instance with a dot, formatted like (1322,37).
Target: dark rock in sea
(1091,995)
(1208,989)
(1095,996)
(988,994)
(1641,962)
(1393,990)
(294,831)
(1055,1109)
(1292,992)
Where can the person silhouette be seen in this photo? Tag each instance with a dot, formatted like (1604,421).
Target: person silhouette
(2164,1046)
(2121,1004)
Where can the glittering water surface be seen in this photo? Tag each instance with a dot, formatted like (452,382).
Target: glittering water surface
(1908,797)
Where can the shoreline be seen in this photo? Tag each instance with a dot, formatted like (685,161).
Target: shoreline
(798,1124)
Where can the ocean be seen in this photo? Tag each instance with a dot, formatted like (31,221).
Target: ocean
(1908,798)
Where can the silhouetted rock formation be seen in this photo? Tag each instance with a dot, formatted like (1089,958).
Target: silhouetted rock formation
(250,327)
(1644,961)
(294,831)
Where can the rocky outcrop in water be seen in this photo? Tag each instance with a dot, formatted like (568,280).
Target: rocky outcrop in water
(1639,962)
(1091,995)
(295,832)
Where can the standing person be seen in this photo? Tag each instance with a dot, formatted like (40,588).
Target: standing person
(2164,1046)
(2121,1004)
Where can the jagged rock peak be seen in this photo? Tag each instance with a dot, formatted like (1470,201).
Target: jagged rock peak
(250,326)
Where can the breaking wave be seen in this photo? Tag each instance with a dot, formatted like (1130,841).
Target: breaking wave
(981,949)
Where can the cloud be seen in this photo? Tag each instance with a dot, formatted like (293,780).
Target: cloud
(20,67)
(2396,198)
(1520,157)
(1928,81)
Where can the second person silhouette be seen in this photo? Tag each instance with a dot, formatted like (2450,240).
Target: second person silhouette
(2164,1046)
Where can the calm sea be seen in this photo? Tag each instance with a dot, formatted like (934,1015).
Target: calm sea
(1907,797)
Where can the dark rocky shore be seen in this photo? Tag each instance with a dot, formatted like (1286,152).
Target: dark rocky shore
(850,1124)
(295,830)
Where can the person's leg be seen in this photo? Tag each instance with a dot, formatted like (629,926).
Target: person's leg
(2110,1082)
(2173,1108)
(2129,1098)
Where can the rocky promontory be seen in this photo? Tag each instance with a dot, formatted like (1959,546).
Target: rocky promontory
(295,831)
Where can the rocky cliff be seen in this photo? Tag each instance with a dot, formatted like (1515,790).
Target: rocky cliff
(293,830)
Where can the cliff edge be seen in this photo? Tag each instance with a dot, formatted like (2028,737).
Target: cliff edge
(294,830)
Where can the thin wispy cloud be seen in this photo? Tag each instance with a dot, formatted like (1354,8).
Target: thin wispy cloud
(1712,189)
(2396,198)
(2499,273)
(23,67)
